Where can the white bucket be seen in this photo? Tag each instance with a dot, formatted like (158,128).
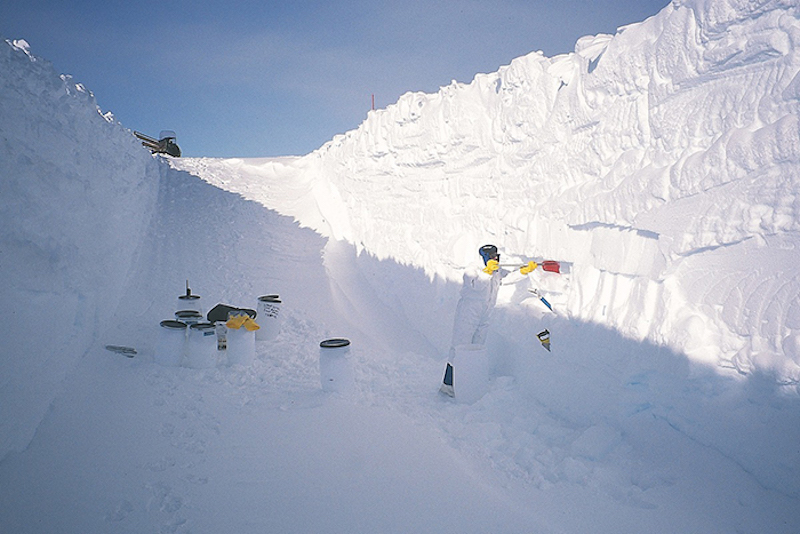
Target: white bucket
(201,346)
(335,366)
(241,346)
(189,302)
(269,318)
(470,373)
(171,343)
(189,317)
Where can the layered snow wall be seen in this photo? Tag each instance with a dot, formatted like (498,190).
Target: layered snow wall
(662,162)
(673,144)
(77,195)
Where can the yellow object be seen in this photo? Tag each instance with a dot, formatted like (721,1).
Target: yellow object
(491,266)
(237,321)
(250,324)
(527,269)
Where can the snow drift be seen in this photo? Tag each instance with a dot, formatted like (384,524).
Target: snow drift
(659,164)
(662,162)
(75,209)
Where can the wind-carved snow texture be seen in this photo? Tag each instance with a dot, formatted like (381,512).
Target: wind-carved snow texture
(676,150)
(659,165)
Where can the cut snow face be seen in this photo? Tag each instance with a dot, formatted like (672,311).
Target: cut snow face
(659,165)
(663,167)
(77,198)
(663,163)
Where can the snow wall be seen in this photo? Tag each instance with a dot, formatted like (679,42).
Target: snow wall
(674,143)
(66,172)
(98,237)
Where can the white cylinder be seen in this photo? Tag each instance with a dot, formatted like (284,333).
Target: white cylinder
(189,302)
(201,346)
(241,346)
(470,373)
(189,317)
(171,343)
(269,317)
(335,366)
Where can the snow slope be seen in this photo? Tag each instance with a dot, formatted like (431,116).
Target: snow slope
(75,209)
(662,162)
(659,164)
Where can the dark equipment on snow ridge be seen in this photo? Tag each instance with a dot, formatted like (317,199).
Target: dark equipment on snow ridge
(164,145)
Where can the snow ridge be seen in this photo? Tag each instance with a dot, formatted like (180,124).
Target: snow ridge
(72,173)
(658,164)
(675,143)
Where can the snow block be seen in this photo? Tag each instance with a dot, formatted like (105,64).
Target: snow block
(470,373)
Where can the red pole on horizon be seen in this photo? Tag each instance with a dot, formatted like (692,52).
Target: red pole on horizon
(373,101)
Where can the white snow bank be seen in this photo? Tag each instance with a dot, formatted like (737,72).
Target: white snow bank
(658,161)
(78,193)
(604,434)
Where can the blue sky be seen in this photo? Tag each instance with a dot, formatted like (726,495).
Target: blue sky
(262,78)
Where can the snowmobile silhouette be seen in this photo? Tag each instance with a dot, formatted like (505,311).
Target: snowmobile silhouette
(165,144)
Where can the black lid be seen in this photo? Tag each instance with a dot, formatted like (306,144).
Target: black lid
(202,326)
(170,323)
(270,298)
(334,343)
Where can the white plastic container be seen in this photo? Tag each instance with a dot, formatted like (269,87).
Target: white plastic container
(335,365)
(188,301)
(269,317)
(201,346)
(470,373)
(189,317)
(171,343)
(241,346)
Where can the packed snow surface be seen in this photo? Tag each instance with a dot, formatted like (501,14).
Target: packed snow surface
(660,165)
